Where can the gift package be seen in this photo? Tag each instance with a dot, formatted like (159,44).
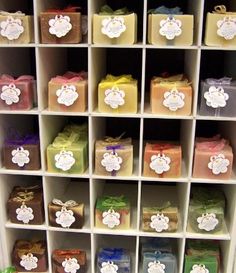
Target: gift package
(69,214)
(69,92)
(16,28)
(114,26)
(69,151)
(114,157)
(30,256)
(162,159)
(171,95)
(206,210)
(118,95)
(113,260)
(69,260)
(213,158)
(220,27)
(25,205)
(61,26)
(112,212)
(169,26)
(16,93)
(218,97)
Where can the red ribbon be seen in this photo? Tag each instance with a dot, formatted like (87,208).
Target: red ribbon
(162,146)
(212,146)
(67,9)
(66,252)
(70,77)
(11,79)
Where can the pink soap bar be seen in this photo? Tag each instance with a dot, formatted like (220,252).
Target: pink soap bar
(16,94)
(213,159)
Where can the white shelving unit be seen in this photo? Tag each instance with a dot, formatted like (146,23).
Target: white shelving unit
(143,61)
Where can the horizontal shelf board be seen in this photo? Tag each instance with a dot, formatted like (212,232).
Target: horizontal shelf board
(83,175)
(171,47)
(213,181)
(128,232)
(63,45)
(107,177)
(181,179)
(198,117)
(53,113)
(115,115)
(162,234)
(9,224)
(138,45)
(72,230)
(18,45)
(204,47)
(33,111)
(21,172)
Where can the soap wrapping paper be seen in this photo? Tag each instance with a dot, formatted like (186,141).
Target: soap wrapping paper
(197,262)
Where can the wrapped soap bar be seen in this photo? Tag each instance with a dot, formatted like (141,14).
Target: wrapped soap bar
(114,27)
(171,95)
(218,97)
(220,27)
(25,205)
(68,93)
(162,160)
(69,260)
(61,26)
(118,95)
(213,158)
(68,154)
(16,94)
(30,256)
(170,27)
(113,260)
(159,262)
(203,247)
(112,212)
(160,219)
(21,152)
(69,214)
(195,264)
(114,156)
(16,28)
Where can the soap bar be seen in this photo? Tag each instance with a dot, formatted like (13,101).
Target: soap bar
(69,260)
(160,219)
(112,212)
(220,28)
(175,30)
(114,156)
(171,96)
(195,264)
(69,214)
(30,256)
(16,94)
(217,97)
(162,160)
(213,159)
(115,29)
(16,28)
(61,27)
(68,93)
(113,260)
(118,95)
(25,205)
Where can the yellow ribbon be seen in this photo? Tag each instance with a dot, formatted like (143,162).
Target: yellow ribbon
(111,80)
(221,9)
(173,81)
(63,140)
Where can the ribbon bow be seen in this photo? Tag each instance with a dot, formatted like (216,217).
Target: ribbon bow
(70,77)
(11,79)
(222,81)
(107,10)
(5,13)
(69,203)
(162,146)
(112,140)
(10,269)
(67,9)
(111,80)
(24,196)
(165,10)
(174,81)
(64,141)
(114,201)
(111,254)
(164,206)
(212,146)
(25,247)
(67,252)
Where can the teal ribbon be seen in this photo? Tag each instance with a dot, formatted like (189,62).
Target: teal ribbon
(107,10)
(165,10)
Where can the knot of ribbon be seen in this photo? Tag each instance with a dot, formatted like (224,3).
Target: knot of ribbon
(107,10)
(70,77)
(111,254)
(161,208)
(6,13)
(25,247)
(24,196)
(115,80)
(220,9)
(165,10)
(162,146)
(69,203)
(212,146)
(173,81)
(14,138)
(67,9)
(222,81)
(112,202)
(64,141)
(67,252)
(28,188)
(11,79)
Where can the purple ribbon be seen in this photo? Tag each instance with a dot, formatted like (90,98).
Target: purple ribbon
(22,140)
(222,81)
(113,148)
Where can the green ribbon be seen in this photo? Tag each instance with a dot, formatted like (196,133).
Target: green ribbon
(10,269)
(200,259)
(64,140)
(205,195)
(112,202)
(161,208)
(107,10)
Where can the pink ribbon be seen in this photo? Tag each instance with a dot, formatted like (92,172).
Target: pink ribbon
(212,146)
(70,77)
(11,79)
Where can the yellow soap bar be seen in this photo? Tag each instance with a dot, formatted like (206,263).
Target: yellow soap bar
(166,30)
(118,29)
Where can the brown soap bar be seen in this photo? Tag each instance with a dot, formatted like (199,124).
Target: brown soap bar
(25,205)
(29,256)
(64,260)
(60,28)
(67,215)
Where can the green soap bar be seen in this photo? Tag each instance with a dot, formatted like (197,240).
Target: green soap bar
(199,263)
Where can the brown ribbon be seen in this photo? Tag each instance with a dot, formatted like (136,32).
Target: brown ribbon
(25,247)
(24,196)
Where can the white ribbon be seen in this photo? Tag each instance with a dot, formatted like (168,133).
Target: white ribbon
(5,13)
(222,81)
(69,203)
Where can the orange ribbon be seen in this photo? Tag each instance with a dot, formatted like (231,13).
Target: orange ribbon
(67,9)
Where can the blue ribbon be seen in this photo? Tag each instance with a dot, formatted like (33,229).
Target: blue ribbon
(111,254)
(165,10)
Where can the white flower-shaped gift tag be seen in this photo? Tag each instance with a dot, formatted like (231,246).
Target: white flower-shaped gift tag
(227,28)
(65,217)
(10,94)
(24,214)
(159,222)
(111,162)
(11,28)
(70,265)
(218,164)
(199,268)
(113,27)
(60,26)
(156,267)
(64,160)
(67,95)
(111,218)
(114,97)
(20,156)
(170,28)
(216,97)
(29,261)
(160,163)
(207,221)
(174,100)
(109,267)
